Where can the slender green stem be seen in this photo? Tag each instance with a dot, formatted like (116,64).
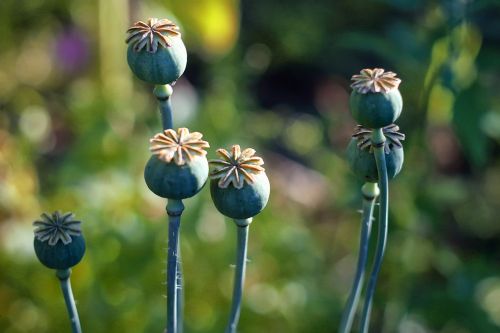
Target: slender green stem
(370,192)
(239,274)
(180,291)
(174,211)
(63,276)
(378,142)
(163,93)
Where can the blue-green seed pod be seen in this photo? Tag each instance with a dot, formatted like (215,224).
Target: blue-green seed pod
(375,101)
(362,160)
(178,168)
(239,186)
(172,181)
(59,243)
(156,53)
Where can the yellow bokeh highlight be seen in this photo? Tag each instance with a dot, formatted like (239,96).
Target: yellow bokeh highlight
(218,26)
(463,65)
(213,26)
(440,107)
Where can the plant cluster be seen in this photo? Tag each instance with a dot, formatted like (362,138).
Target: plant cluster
(178,169)
(375,154)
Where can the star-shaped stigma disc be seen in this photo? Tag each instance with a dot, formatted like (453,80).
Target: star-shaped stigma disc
(236,167)
(57,227)
(152,34)
(375,81)
(181,146)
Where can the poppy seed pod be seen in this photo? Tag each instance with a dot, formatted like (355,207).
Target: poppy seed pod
(375,100)
(59,243)
(239,185)
(156,53)
(178,168)
(362,160)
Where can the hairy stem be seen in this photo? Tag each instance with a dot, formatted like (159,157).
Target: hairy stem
(239,274)
(378,142)
(63,276)
(163,93)
(180,291)
(370,192)
(174,211)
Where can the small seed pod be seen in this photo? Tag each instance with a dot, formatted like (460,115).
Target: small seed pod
(156,53)
(59,243)
(178,168)
(375,100)
(362,160)
(239,185)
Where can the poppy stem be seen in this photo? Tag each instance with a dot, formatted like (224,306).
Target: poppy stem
(370,192)
(163,93)
(239,274)
(174,211)
(179,290)
(176,299)
(378,143)
(63,276)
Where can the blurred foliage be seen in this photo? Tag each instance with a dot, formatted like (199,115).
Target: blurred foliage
(74,129)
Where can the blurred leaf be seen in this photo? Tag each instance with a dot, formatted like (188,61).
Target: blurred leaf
(470,107)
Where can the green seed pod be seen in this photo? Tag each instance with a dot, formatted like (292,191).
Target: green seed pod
(156,53)
(239,186)
(375,100)
(59,243)
(178,168)
(362,160)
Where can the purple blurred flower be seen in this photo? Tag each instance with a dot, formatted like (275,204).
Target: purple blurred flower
(72,50)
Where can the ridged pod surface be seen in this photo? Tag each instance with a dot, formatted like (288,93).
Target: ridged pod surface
(156,53)
(60,256)
(241,203)
(239,185)
(375,100)
(375,110)
(162,67)
(172,181)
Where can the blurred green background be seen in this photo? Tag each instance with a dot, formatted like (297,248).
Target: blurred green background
(74,130)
